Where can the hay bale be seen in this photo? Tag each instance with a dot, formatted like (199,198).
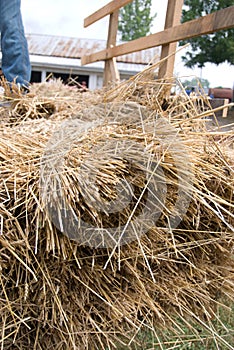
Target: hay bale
(60,289)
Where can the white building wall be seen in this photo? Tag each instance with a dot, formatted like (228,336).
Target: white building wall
(43,75)
(93,81)
(73,66)
(99,82)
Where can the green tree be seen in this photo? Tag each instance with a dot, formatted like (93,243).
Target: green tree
(215,48)
(194,82)
(135,20)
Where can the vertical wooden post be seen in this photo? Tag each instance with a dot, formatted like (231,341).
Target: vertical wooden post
(111,72)
(173,16)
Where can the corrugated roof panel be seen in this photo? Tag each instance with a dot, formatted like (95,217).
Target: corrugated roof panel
(57,46)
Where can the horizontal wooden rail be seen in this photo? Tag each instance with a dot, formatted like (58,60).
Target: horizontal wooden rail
(104,11)
(222,19)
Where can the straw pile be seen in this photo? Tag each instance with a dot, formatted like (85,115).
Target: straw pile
(61,293)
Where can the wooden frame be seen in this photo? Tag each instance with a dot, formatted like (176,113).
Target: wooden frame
(104,11)
(173,16)
(112,8)
(111,72)
(173,32)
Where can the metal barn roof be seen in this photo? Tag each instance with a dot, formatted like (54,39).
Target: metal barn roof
(66,47)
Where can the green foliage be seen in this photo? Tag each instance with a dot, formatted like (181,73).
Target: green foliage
(215,48)
(195,82)
(135,20)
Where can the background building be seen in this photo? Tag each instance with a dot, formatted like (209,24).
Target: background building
(61,57)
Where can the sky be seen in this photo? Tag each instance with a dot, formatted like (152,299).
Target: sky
(65,18)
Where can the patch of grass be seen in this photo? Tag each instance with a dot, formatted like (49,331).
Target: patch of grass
(193,336)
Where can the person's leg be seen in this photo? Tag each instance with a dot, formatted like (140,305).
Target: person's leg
(15,57)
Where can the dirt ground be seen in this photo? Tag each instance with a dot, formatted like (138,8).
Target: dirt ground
(224,124)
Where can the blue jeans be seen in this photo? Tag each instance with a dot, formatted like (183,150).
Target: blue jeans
(15,56)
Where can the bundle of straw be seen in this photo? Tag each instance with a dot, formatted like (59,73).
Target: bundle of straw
(64,289)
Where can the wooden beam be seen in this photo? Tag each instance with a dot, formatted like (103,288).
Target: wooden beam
(110,71)
(225,110)
(113,29)
(104,11)
(173,17)
(222,19)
